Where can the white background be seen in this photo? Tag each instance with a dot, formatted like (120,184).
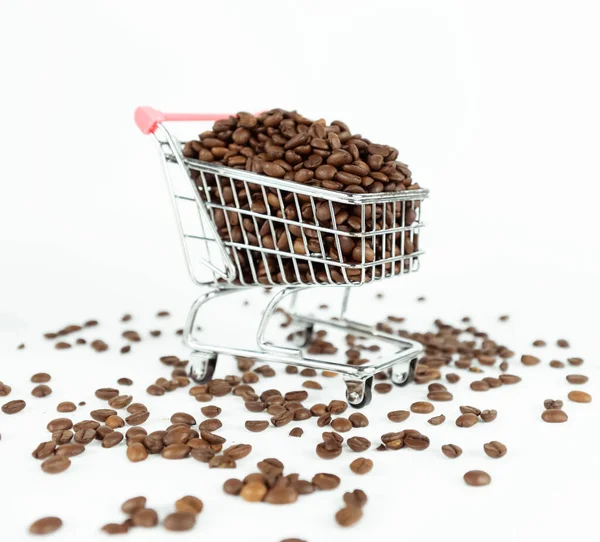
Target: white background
(495,108)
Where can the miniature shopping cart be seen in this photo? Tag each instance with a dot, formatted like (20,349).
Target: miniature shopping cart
(236,229)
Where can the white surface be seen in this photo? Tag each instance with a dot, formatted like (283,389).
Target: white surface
(498,111)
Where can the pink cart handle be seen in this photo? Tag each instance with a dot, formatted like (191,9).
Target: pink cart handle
(148,119)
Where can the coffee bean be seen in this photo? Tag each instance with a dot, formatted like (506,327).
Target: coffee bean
(136,407)
(130,506)
(325,481)
(556,364)
(393,441)
(348,516)
(477,478)
(176,451)
(136,452)
(238,451)
(66,406)
(479,385)
(312,385)
(210,411)
(59,424)
(467,420)
(106,393)
(4,390)
(577,379)
(422,407)
(283,418)
(12,407)
(342,425)
(190,504)
(324,419)
(145,517)
(137,418)
(319,409)
(155,390)
(359,444)
(70,450)
(451,450)
(178,434)
(550,404)
(179,521)
(529,360)
(115,422)
(439,396)
(495,449)
(488,415)
(416,442)
(45,525)
(361,465)
(62,345)
(102,414)
(281,495)
(453,378)
(256,426)
(121,401)
(437,420)
(253,492)
(562,343)
(296,432)
(383,387)
(255,406)
(103,431)
(328,453)
(62,436)
(296,396)
(116,528)
(41,378)
(44,450)
(337,407)
(56,464)
(204,455)
(398,416)
(308,372)
(509,379)
(470,410)
(182,417)
(578,396)
(358,419)
(554,416)
(575,361)
(86,424)
(233,486)
(112,439)
(125,381)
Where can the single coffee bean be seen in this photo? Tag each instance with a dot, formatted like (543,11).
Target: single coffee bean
(361,465)
(331,452)
(383,387)
(509,379)
(477,478)
(155,390)
(479,385)
(453,378)
(359,444)
(59,424)
(554,416)
(4,390)
(45,525)
(440,395)
(238,451)
(41,378)
(112,439)
(116,528)
(393,441)
(121,401)
(136,407)
(416,442)
(210,425)
(337,407)
(577,379)
(488,415)
(145,517)
(398,416)
(42,390)
(312,385)
(233,486)
(422,407)
(136,452)
(470,410)
(106,393)
(467,420)
(342,425)
(12,407)
(44,450)
(56,464)
(494,449)
(182,417)
(529,360)
(281,495)
(578,396)
(204,455)
(210,411)
(556,364)
(296,395)
(296,432)
(138,417)
(62,436)
(130,506)
(283,418)
(358,419)
(437,420)
(575,361)
(325,481)
(102,414)
(562,343)
(125,381)
(348,516)
(66,406)
(451,450)
(70,450)
(103,431)
(179,521)
(256,426)
(190,504)
(253,492)
(356,498)
(176,451)
(550,404)
(114,422)
(86,424)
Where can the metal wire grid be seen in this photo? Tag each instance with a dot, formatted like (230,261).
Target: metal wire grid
(242,208)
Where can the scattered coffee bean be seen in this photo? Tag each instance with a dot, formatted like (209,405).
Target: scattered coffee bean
(554,416)
(578,396)
(59,424)
(440,395)
(575,361)
(296,432)
(477,478)
(341,425)
(121,401)
(66,406)
(325,481)
(210,411)
(383,387)
(70,450)
(398,416)
(479,385)
(451,450)
(577,379)
(4,390)
(556,364)
(106,393)
(494,449)
(137,418)
(358,419)
(328,453)
(102,414)
(233,486)
(467,420)
(238,451)
(256,426)
(176,451)
(562,343)
(550,404)
(348,516)
(416,441)
(453,378)
(62,345)
(437,420)
(337,407)
(130,506)
(42,390)
(12,407)
(125,381)
(179,521)
(529,360)
(190,504)
(137,452)
(112,439)
(41,378)
(183,417)
(116,528)
(253,491)
(45,525)
(312,385)
(99,346)
(361,465)
(145,517)
(56,464)
(488,415)
(44,450)
(359,444)
(509,379)
(422,407)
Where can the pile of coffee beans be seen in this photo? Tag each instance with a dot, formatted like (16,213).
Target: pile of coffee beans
(285,145)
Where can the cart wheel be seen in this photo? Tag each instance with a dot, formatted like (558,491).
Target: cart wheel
(304,336)
(402,375)
(202,366)
(358,392)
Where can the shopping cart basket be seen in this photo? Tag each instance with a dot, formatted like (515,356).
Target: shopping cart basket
(241,230)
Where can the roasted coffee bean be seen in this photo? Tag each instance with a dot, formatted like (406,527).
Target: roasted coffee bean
(233,486)
(358,419)
(222,462)
(274,410)
(145,517)
(62,436)
(556,364)
(45,525)
(578,396)
(121,401)
(529,360)
(255,406)
(86,424)
(211,438)
(182,417)
(398,416)
(12,407)
(210,411)
(330,452)
(116,528)
(554,416)
(103,431)
(125,381)
(308,372)
(138,417)
(281,495)
(190,504)
(115,422)
(106,393)
(312,385)
(4,390)
(337,407)
(136,407)
(176,451)
(42,390)
(204,455)
(112,439)
(331,438)
(575,361)
(348,516)
(59,424)
(422,407)
(178,434)
(155,390)
(318,410)
(102,414)
(562,343)
(253,492)
(494,449)
(479,385)
(439,396)
(492,382)
(453,378)
(467,420)
(509,379)
(130,506)
(296,396)
(179,521)
(416,441)
(301,414)
(210,425)
(256,426)
(361,465)
(342,425)
(393,441)
(296,432)
(324,419)
(62,345)
(550,404)
(325,481)
(383,387)
(577,379)
(238,451)
(56,464)
(70,450)
(477,478)
(359,444)
(451,450)
(66,406)
(437,420)
(283,418)
(356,498)
(488,415)
(136,452)
(44,450)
